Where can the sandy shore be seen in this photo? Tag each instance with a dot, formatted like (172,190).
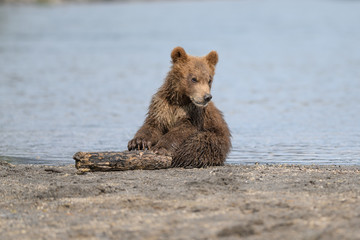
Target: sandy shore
(250,202)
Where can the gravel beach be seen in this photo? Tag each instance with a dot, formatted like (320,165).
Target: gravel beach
(243,201)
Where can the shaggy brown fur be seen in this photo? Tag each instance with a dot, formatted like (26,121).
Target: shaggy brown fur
(181,121)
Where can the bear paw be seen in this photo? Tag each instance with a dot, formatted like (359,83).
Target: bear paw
(139,144)
(162,151)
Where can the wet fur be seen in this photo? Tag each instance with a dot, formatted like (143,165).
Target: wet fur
(194,136)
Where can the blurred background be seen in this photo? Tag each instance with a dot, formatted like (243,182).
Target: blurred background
(78,76)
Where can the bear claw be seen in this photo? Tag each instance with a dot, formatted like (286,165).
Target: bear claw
(139,144)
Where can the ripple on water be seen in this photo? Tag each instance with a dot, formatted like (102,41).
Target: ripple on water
(287,83)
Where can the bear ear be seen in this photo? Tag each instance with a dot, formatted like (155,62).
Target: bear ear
(212,58)
(178,54)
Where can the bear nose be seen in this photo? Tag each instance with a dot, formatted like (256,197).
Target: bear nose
(207,97)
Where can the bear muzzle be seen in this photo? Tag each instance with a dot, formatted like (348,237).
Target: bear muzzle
(202,102)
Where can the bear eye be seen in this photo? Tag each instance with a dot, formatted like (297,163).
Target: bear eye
(194,80)
(210,80)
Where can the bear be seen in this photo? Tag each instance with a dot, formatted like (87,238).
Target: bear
(182,121)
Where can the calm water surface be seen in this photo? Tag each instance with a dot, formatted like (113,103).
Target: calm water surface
(80,77)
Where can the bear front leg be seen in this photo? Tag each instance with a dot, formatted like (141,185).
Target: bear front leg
(169,142)
(145,138)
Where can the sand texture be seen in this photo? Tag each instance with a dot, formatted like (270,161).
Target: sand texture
(230,202)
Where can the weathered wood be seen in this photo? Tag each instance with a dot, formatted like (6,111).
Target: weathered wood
(120,161)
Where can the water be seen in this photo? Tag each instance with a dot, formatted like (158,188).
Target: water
(80,77)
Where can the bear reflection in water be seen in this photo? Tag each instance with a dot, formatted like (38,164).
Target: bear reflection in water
(182,121)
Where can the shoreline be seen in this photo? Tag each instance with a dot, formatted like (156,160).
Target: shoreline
(233,201)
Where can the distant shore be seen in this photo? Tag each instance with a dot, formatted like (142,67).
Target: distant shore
(76,1)
(251,202)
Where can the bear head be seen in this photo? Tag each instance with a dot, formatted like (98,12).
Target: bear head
(194,75)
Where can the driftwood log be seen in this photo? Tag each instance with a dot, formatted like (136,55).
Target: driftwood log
(120,161)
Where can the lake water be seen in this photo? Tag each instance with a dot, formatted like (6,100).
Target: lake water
(80,77)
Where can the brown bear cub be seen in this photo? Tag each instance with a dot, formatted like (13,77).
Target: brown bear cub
(181,121)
